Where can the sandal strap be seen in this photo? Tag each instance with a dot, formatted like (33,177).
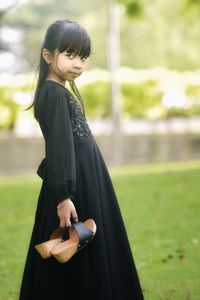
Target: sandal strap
(84,233)
(65,235)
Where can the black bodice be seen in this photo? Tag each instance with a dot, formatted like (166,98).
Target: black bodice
(79,123)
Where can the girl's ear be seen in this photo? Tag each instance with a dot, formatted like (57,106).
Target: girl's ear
(47,56)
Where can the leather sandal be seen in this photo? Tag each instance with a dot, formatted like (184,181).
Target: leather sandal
(81,234)
(44,248)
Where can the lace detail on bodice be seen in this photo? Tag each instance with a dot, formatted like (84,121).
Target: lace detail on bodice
(79,123)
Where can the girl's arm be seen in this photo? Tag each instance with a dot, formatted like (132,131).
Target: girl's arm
(60,156)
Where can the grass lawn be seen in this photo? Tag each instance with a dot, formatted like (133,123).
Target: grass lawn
(160,205)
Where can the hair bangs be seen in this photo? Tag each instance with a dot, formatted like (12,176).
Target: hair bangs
(74,39)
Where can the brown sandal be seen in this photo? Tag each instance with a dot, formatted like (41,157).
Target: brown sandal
(45,248)
(80,234)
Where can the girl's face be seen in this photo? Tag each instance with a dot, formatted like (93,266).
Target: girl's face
(64,66)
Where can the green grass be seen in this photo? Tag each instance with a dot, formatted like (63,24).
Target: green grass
(160,205)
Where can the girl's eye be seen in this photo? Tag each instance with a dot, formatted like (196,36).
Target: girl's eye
(83,58)
(70,55)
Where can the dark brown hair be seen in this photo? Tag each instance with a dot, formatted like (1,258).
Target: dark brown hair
(63,35)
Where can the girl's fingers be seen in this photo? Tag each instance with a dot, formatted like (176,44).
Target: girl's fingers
(65,213)
(67,221)
(62,223)
(68,224)
(74,215)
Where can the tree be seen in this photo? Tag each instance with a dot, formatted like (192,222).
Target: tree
(33,18)
(134,8)
(152,33)
(4,9)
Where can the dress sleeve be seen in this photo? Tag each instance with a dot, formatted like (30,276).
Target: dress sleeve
(59,144)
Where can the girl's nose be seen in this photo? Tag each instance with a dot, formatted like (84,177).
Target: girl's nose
(78,63)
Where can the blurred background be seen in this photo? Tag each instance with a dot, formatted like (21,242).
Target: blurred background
(142,99)
(141,87)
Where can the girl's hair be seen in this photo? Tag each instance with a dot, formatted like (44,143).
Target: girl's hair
(63,35)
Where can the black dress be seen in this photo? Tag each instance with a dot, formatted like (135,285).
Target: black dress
(73,167)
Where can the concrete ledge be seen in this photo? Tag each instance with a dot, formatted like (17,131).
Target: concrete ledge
(21,155)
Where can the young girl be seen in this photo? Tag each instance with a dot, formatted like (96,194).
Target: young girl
(76,186)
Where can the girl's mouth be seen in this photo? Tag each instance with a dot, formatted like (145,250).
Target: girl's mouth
(74,74)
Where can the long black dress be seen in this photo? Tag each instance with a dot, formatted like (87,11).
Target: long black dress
(73,167)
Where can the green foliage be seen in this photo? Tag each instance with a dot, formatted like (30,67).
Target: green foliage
(34,17)
(8,108)
(137,98)
(193,93)
(162,37)
(133,7)
(156,35)
(96,98)
(140,97)
(193,3)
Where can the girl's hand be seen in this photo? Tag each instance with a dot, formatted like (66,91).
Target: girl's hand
(65,210)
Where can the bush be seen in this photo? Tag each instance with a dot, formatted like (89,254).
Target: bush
(96,98)
(140,97)
(136,98)
(193,93)
(8,108)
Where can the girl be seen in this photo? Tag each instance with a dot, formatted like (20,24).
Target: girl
(76,186)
